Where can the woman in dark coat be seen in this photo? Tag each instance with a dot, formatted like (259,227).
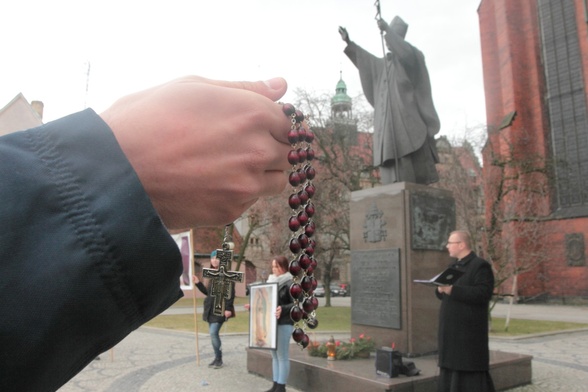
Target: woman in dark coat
(215,322)
(463,321)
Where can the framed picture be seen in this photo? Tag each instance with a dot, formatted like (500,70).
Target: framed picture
(263,325)
(184,242)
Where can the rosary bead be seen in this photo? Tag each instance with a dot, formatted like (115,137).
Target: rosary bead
(294,223)
(304,196)
(294,179)
(299,116)
(306,284)
(309,209)
(304,261)
(310,172)
(313,262)
(309,229)
(296,313)
(307,305)
(304,241)
(295,246)
(294,201)
(293,157)
(288,109)
(310,190)
(302,133)
(301,174)
(302,218)
(293,136)
(301,155)
(309,136)
(294,268)
(305,341)
(312,323)
(314,301)
(309,250)
(297,335)
(296,291)
(309,154)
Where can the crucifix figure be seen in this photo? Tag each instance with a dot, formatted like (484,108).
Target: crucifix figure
(222,280)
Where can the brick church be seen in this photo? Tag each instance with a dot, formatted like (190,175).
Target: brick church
(535,61)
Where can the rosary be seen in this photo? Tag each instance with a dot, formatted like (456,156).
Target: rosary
(302,227)
(301,244)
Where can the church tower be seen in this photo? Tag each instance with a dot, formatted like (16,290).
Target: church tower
(342,120)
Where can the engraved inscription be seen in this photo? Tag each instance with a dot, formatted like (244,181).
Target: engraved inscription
(376,288)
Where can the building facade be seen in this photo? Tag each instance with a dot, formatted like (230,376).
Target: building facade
(535,60)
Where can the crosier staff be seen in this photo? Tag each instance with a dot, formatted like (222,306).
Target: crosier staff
(378,17)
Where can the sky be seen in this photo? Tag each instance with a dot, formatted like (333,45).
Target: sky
(73,54)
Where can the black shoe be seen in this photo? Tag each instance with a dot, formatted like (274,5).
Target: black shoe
(213,363)
(280,388)
(273,388)
(218,364)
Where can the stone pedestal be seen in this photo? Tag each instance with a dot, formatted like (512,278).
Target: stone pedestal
(314,374)
(398,234)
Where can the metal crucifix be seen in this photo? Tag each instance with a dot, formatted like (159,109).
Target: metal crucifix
(222,279)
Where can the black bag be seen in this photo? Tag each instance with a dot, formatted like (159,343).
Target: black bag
(389,363)
(409,369)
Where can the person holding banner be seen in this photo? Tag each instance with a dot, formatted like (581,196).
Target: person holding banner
(215,322)
(281,355)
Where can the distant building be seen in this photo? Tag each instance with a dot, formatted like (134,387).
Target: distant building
(19,115)
(460,172)
(535,60)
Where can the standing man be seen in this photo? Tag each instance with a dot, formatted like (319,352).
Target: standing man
(215,322)
(405,119)
(463,321)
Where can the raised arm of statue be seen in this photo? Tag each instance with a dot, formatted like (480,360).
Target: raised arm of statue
(344,34)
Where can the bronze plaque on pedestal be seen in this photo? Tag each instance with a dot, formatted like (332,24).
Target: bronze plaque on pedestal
(375,277)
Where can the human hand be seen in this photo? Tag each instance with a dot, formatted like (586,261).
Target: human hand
(247,307)
(228,314)
(204,150)
(278,312)
(382,25)
(344,34)
(195,279)
(444,289)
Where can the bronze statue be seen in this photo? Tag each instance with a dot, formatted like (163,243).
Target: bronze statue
(405,121)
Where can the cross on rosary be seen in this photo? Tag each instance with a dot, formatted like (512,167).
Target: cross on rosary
(222,279)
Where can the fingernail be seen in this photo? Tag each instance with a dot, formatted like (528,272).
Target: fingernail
(274,83)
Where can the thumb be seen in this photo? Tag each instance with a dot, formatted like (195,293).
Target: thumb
(273,89)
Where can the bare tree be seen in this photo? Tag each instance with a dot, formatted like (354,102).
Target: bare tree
(509,232)
(517,187)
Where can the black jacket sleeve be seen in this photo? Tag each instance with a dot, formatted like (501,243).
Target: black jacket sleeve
(84,257)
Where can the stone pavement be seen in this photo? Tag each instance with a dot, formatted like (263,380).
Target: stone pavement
(154,360)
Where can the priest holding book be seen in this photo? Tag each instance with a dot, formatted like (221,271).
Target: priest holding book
(463,321)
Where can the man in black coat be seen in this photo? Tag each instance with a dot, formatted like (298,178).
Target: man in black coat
(463,321)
